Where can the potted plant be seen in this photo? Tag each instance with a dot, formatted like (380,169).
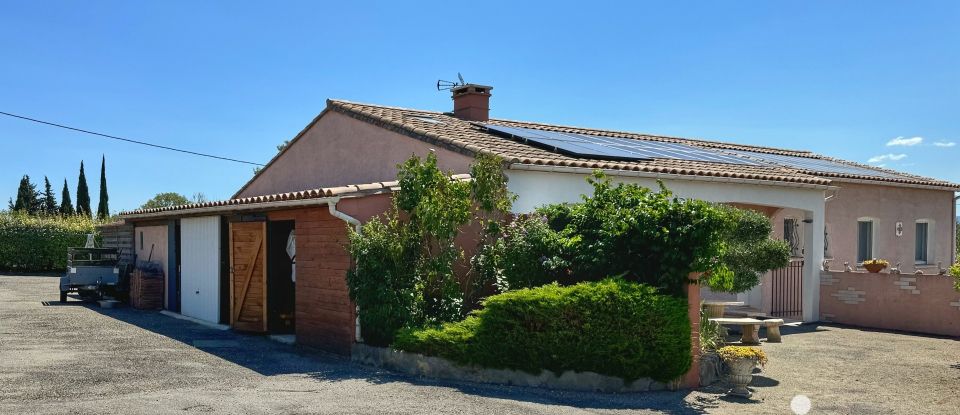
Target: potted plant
(875,265)
(741,360)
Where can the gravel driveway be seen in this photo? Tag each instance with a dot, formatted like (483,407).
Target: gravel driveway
(78,358)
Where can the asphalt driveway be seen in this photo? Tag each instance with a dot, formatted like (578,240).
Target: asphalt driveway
(78,358)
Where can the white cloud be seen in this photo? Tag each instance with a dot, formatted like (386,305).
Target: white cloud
(944,144)
(886,157)
(907,142)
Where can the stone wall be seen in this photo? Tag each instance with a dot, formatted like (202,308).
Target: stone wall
(434,367)
(922,303)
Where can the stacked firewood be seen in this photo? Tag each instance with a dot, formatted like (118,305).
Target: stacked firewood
(146,288)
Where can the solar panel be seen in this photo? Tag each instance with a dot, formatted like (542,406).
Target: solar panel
(814,165)
(614,147)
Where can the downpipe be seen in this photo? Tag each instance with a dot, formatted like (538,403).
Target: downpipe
(332,206)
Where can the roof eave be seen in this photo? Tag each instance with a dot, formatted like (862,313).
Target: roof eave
(669,176)
(216,210)
(953,188)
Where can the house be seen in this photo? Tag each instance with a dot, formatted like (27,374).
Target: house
(338,171)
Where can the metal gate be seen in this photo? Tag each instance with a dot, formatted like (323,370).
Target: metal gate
(787,291)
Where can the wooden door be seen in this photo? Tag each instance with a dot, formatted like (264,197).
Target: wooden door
(248,272)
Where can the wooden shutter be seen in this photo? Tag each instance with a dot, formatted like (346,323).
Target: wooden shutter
(248,271)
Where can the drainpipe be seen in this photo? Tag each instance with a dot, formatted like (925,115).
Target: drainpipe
(332,205)
(953,218)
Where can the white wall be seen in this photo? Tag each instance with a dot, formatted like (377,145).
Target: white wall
(200,268)
(537,188)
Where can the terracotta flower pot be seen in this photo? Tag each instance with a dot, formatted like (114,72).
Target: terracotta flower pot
(741,373)
(874,268)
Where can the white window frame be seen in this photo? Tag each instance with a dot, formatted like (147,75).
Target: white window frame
(930,242)
(873,238)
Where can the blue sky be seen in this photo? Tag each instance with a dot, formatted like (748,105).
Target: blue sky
(236,78)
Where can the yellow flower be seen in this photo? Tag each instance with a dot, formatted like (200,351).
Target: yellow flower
(728,353)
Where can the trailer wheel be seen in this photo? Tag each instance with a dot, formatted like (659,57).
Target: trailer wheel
(63,296)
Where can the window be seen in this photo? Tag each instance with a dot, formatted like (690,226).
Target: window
(141,240)
(791,234)
(864,240)
(922,244)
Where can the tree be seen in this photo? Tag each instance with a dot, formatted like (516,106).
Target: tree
(167,199)
(103,208)
(28,199)
(748,252)
(83,194)
(66,205)
(406,258)
(49,200)
(199,197)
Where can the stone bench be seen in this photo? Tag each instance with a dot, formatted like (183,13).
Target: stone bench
(773,329)
(750,328)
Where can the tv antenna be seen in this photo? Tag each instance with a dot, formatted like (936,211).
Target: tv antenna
(448,85)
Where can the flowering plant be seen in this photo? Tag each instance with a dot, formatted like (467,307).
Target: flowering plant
(729,353)
(876,261)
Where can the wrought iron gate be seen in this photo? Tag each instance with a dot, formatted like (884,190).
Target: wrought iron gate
(787,291)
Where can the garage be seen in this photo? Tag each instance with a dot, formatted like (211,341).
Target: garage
(272,265)
(200,243)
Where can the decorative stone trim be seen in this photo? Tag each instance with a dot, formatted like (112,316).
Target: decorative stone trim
(908,283)
(828,278)
(956,304)
(435,367)
(850,296)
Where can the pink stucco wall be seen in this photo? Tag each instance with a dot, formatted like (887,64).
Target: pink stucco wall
(338,150)
(908,302)
(888,205)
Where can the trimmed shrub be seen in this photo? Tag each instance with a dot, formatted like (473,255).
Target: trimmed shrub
(612,327)
(39,243)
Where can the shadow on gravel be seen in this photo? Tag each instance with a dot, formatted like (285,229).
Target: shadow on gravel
(271,358)
(826,326)
(66,304)
(669,402)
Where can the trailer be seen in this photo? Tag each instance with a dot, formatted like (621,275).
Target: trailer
(91,273)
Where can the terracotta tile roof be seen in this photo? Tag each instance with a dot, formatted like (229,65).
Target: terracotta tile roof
(354,190)
(442,129)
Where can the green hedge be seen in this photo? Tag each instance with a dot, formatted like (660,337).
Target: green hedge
(39,243)
(612,327)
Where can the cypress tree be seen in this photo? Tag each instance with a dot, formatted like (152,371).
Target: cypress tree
(66,205)
(103,208)
(28,199)
(49,200)
(83,194)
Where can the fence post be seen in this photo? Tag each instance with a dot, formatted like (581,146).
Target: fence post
(692,378)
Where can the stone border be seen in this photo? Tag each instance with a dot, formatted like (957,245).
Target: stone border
(435,367)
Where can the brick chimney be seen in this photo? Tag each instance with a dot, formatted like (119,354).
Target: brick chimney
(471,102)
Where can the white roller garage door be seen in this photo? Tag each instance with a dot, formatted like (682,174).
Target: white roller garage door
(200,268)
